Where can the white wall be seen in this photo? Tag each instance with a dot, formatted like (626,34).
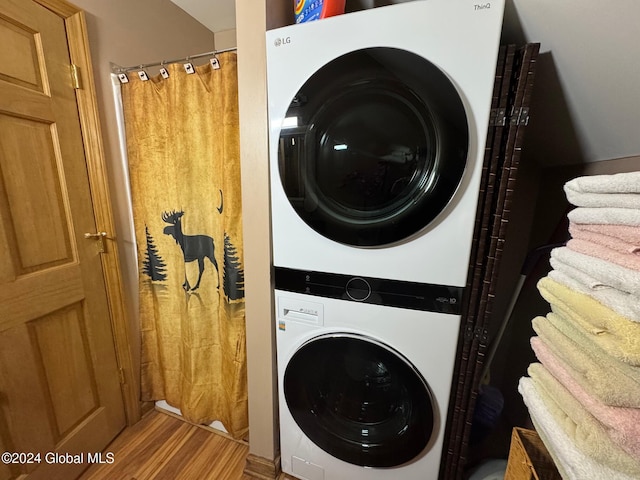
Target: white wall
(588,76)
(589,99)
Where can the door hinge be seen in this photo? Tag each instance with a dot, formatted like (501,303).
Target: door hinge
(477,333)
(498,117)
(76,78)
(122,378)
(520,116)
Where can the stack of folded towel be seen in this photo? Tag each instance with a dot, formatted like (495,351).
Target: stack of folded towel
(584,395)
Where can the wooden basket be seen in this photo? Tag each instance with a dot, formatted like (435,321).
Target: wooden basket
(529,459)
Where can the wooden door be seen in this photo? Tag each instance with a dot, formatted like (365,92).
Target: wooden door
(59,380)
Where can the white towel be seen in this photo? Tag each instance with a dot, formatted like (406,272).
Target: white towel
(572,463)
(621,302)
(580,276)
(620,190)
(606,273)
(605,215)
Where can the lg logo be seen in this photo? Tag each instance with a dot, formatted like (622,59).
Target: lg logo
(282,41)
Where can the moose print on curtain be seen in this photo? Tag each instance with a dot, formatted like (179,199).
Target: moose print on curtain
(194,247)
(183,152)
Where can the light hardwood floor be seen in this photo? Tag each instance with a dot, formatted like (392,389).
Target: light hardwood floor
(163,447)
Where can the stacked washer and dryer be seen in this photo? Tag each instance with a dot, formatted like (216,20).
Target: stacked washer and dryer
(378,121)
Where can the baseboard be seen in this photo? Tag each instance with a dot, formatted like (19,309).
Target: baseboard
(262,468)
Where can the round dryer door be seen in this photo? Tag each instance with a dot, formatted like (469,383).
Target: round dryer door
(373,147)
(359,400)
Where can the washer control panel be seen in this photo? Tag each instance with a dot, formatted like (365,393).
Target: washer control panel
(394,293)
(358,289)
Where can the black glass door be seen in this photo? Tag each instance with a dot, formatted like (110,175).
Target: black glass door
(359,400)
(373,146)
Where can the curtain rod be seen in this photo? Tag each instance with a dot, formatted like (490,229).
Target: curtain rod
(118,69)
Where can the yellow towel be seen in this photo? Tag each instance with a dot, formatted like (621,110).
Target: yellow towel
(581,427)
(612,382)
(617,335)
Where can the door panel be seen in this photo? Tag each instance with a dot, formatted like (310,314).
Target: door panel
(34,193)
(359,400)
(73,395)
(373,147)
(18,60)
(59,380)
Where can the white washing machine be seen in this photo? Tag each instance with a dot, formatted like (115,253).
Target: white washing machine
(364,388)
(378,121)
(377,127)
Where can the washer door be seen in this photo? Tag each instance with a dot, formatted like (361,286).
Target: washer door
(359,400)
(373,146)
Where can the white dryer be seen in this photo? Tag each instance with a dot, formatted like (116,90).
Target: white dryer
(378,121)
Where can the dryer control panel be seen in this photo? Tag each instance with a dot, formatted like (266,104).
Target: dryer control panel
(393,293)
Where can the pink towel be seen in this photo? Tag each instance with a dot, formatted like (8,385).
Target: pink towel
(598,373)
(622,424)
(622,238)
(627,260)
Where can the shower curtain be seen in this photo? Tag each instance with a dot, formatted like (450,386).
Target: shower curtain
(182,140)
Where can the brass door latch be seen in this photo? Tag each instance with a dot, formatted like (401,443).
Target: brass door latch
(100,236)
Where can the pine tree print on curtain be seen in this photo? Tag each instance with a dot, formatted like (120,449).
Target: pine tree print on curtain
(153,266)
(233,272)
(183,153)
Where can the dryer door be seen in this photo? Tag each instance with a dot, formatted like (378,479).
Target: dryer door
(373,147)
(359,400)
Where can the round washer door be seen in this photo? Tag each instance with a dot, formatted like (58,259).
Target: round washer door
(359,400)
(373,146)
